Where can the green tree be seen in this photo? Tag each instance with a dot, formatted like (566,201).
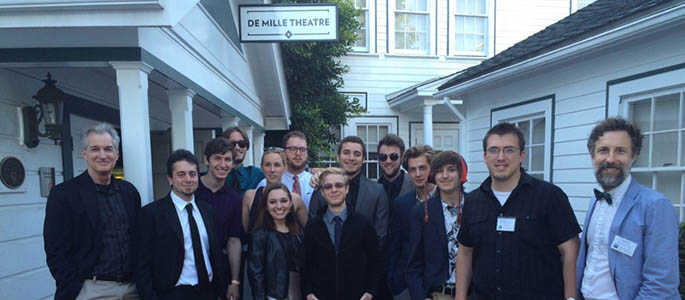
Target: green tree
(314,73)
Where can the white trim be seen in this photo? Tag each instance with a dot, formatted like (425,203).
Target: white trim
(542,108)
(628,31)
(644,85)
(430,29)
(489,31)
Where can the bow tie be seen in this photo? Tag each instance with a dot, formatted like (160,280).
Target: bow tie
(600,195)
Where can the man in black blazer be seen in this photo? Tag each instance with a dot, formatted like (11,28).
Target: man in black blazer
(434,227)
(89,224)
(178,253)
(341,249)
(365,196)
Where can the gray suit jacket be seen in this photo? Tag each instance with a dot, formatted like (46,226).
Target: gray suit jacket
(407,185)
(372,203)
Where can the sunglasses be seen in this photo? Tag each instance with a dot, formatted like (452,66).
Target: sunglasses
(393,156)
(241,143)
(337,185)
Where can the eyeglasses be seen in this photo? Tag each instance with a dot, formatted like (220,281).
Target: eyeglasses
(296,149)
(241,143)
(393,156)
(494,151)
(329,186)
(273,149)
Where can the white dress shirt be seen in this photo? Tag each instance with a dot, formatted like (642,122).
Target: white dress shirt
(303,178)
(598,283)
(189,272)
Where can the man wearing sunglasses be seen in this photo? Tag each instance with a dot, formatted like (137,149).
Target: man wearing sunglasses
(242,178)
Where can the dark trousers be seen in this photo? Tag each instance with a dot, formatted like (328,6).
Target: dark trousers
(186,292)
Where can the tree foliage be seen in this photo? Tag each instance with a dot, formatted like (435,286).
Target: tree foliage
(314,73)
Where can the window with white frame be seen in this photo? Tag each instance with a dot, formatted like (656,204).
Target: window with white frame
(534,119)
(411,23)
(362,42)
(661,163)
(470,27)
(371,134)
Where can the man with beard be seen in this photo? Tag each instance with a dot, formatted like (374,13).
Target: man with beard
(365,196)
(519,236)
(241,178)
(416,160)
(630,246)
(295,177)
(212,188)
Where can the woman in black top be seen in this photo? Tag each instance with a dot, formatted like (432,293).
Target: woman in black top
(273,166)
(276,253)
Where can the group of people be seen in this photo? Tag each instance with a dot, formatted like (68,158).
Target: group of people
(285,231)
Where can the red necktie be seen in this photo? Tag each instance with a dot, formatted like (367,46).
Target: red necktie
(296,186)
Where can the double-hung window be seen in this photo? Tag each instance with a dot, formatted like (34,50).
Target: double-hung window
(411,26)
(362,42)
(470,27)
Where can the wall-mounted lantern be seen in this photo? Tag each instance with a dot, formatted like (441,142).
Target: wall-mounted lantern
(50,110)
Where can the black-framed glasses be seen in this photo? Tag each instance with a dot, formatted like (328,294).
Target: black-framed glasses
(329,186)
(296,149)
(393,156)
(494,151)
(240,143)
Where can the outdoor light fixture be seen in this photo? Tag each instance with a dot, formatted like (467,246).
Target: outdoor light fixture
(50,110)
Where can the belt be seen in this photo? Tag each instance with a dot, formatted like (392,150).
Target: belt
(446,289)
(116,278)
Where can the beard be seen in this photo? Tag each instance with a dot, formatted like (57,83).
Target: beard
(392,173)
(610,181)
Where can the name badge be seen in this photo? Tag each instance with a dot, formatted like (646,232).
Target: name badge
(506,224)
(623,245)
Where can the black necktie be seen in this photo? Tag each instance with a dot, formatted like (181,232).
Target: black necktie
(600,195)
(338,232)
(202,277)
(235,183)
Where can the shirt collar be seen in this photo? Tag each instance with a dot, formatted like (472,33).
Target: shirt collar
(202,186)
(180,203)
(524,180)
(299,176)
(329,215)
(620,191)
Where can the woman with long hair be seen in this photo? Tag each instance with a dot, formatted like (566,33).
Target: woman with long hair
(273,166)
(276,252)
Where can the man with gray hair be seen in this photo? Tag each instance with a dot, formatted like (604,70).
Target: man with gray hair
(89,224)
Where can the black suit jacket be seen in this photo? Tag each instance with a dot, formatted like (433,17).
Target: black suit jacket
(428,258)
(372,203)
(72,230)
(160,251)
(399,240)
(355,270)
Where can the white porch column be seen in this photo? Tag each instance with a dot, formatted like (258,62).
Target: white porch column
(249,160)
(258,147)
(428,123)
(228,122)
(135,125)
(181,106)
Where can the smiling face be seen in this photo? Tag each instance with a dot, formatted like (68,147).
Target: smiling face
(419,170)
(183,179)
(237,138)
(100,154)
(390,167)
(447,178)
(334,189)
(273,167)
(278,204)
(296,153)
(503,166)
(351,158)
(219,165)
(612,158)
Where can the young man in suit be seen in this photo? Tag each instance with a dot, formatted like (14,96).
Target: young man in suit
(89,221)
(434,226)
(178,251)
(629,249)
(365,196)
(342,257)
(416,160)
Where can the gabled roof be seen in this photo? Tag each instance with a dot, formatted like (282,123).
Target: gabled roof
(592,18)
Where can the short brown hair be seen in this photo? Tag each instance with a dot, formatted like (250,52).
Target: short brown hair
(292,134)
(391,140)
(502,129)
(416,151)
(352,139)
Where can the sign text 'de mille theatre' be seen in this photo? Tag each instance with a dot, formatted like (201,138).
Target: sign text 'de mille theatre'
(291,22)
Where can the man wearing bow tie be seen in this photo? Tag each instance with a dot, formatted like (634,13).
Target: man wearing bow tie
(629,249)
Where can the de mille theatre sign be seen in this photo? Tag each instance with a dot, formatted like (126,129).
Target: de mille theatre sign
(276,23)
